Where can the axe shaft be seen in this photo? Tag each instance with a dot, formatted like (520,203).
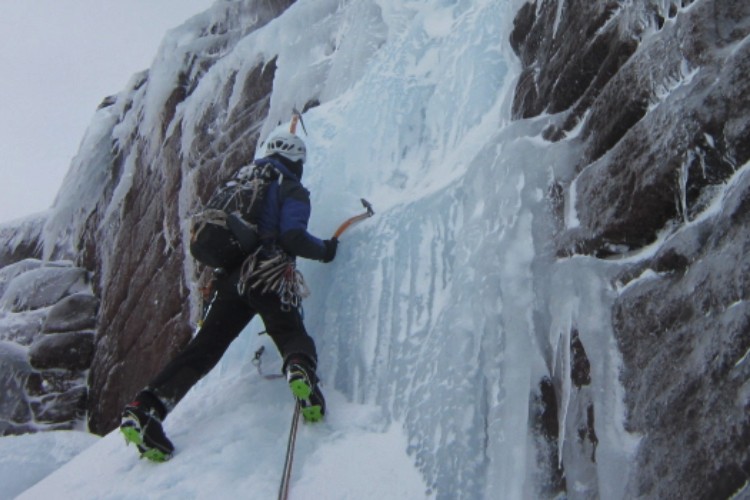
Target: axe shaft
(293,124)
(353,220)
(347,223)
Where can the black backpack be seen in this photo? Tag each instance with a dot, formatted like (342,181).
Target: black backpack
(225,232)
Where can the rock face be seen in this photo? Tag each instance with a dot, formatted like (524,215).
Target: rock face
(656,96)
(144,255)
(685,338)
(119,217)
(75,312)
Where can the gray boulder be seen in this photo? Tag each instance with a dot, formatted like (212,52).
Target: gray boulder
(73,313)
(43,287)
(67,351)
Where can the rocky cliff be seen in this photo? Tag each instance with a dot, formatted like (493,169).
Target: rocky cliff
(144,277)
(657,95)
(120,218)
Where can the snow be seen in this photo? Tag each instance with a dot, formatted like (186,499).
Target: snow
(27,459)
(234,424)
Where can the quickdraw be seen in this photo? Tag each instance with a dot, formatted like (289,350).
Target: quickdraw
(257,362)
(277,274)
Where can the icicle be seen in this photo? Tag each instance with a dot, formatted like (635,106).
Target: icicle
(683,179)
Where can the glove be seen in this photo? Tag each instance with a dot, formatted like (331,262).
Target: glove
(330,252)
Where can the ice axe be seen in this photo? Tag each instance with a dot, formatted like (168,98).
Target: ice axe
(296,117)
(369,212)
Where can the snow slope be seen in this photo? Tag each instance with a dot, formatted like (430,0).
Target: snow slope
(230,433)
(29,458)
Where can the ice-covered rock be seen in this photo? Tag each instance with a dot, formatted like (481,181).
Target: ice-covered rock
(68,351)
(22,328)
(61,410)
(74,312)
(22,239)
(684,331)
(11,271)
(43,287)
(14,407)
(654,98)
(46,313)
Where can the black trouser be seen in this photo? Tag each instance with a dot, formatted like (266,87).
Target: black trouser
(229,313)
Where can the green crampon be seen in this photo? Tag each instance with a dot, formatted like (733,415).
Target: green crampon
(302,391)
(132,435)
(312,413)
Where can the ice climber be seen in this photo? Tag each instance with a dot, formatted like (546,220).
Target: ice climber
(240,294)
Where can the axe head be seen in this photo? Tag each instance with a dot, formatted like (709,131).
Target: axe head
(368,207)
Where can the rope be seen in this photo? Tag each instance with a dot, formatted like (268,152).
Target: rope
(286,475)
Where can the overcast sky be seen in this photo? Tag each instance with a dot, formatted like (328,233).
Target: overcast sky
(58,59)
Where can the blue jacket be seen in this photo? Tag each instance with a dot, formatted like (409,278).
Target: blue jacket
(286,213)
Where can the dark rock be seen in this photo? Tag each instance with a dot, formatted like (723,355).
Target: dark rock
(14,429)
(71,351)
(544,415)
(685,339)
(312,103)
(704,124)
(73,313)
(107,102)
(670,261)
(581,367)
(661,95)
(548,422)
(568,65)
(587,430)
(693,104)
(62,408)
(33,285)
(51,381)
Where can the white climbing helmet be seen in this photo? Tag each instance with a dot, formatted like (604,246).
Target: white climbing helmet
(287,145)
